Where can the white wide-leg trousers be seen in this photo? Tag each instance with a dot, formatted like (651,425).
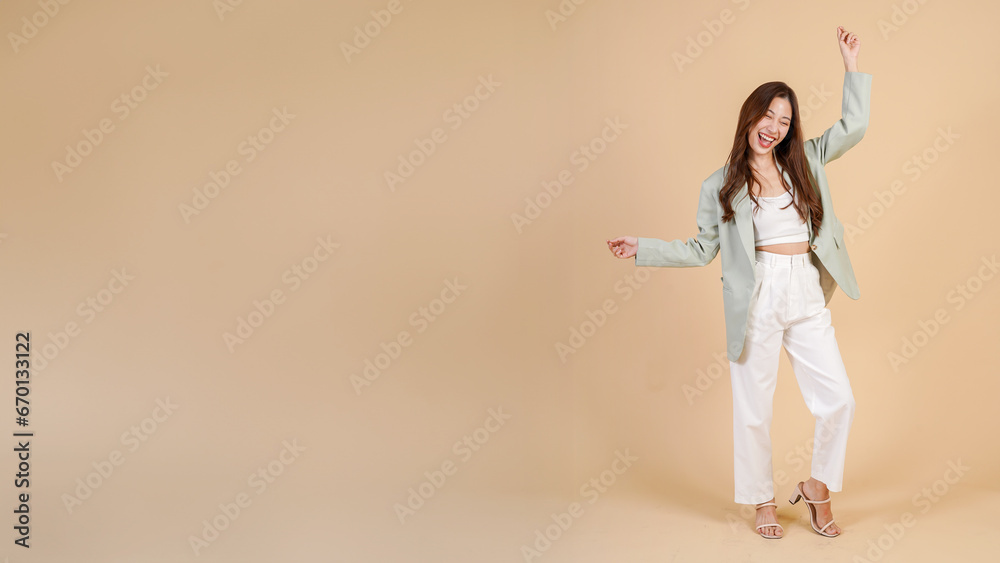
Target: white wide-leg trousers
(788,308)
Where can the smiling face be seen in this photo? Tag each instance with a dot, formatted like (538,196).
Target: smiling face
(772,128)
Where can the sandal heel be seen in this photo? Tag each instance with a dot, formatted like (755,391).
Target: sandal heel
(812,511)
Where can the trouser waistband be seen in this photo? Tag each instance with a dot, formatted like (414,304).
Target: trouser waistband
(776,259)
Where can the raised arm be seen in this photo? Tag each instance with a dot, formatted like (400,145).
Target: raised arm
(855,109)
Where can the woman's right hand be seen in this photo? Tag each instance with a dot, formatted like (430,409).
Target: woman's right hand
(624,247)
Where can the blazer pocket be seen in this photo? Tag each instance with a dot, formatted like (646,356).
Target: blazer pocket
(838,234)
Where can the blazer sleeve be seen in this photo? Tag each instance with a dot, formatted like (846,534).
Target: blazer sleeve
(695,251)
(847,132)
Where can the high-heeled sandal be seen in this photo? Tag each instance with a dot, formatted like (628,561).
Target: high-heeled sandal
(798,494)
(771,524)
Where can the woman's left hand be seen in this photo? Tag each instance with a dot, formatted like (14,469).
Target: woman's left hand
(850,45)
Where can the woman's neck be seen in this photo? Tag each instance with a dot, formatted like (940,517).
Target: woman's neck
(763,163)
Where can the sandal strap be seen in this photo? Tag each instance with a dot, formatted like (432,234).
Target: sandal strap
(823,529)
(767,504)
(774,524)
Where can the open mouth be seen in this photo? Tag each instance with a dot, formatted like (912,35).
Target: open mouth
(765,141)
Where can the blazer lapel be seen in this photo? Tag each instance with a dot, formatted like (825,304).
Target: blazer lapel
(744,222)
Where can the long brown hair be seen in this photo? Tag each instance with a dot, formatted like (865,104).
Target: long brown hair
(789,153)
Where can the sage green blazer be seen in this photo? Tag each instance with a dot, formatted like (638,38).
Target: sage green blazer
(735,238)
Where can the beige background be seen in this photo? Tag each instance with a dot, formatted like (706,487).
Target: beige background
(495,345)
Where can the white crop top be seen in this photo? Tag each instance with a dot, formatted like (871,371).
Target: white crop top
(773,225)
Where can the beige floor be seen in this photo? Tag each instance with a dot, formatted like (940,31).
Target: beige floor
(689,526)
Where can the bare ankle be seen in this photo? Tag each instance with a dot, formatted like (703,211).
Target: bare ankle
(816,486)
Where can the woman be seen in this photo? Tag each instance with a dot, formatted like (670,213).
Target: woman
(768,212)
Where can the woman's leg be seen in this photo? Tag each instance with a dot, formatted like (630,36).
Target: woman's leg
(754,378)
(812,349)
